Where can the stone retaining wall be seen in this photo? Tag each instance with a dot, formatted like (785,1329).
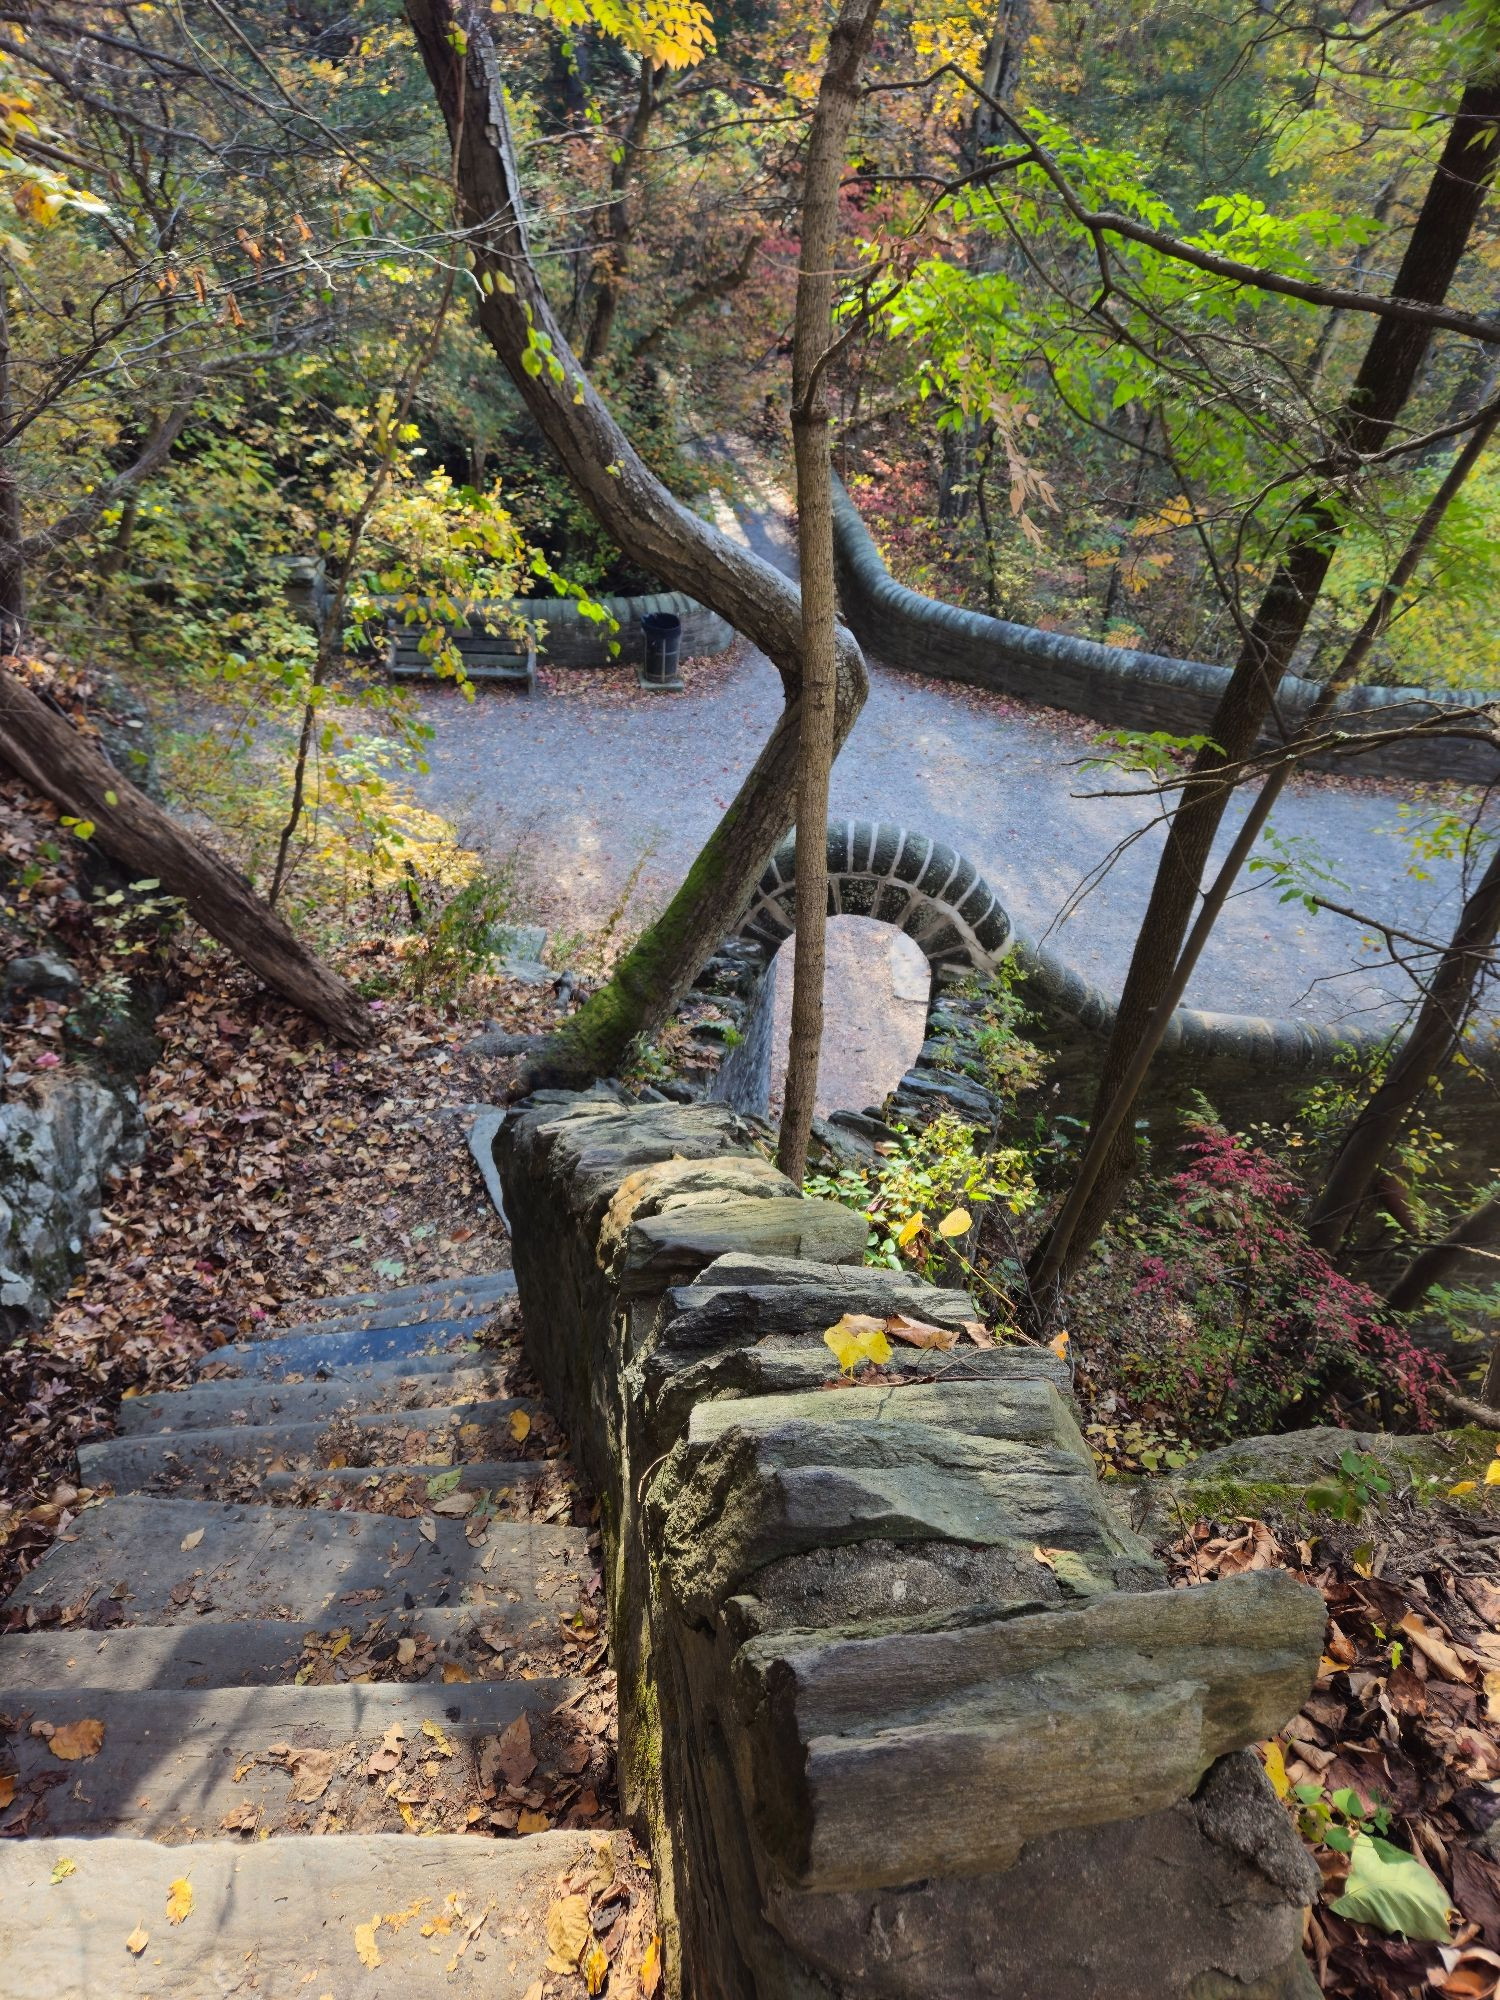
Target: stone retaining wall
(906,1709)
(1116,685)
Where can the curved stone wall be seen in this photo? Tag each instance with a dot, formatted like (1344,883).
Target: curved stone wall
(1251,1068)
(565,638)
(1117,685)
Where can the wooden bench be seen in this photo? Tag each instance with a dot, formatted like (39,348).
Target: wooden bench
(486,656)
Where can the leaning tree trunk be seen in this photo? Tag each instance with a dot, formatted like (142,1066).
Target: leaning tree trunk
(50,756)
(1391,364)
(650,525)
(1430,1046)
(812,336)
(1479,1229)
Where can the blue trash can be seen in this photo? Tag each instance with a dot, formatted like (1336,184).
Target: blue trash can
(663,630)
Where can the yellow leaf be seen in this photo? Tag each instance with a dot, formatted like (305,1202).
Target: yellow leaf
(452,1671)
(61,1870)
(191,1541)
(520,1426)
(1275,1761)
(1492,1473)
(434,1730)
(179,1900)
(533,1822)
(955,1223)
(365,1945)
(856,1339)
(910,1228)
(138,1940)
(651,1968)
(595,1967)
(76,1740)
(568,1931)
(1464,1486)
(1059,1346)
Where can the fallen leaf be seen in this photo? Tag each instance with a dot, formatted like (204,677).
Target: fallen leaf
(919,1332)
(76,1740)
(191,1541)
(61,1870)
(7,1788)
(406,1652)
(651,1968)
(1430,1642)
(857,1338)
(312,1772)
(179,1900)
(1059,1345)
(434,1732)
(520,1426)
(568,1932)
(452,1672)
(364,1943)
(515,1756)
(1394,1891)
(979,1333)
(532,1821)
(595,1967)
(138,1940)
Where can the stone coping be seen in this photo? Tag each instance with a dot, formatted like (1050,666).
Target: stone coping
(1118,685)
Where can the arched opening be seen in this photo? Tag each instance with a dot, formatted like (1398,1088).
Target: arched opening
(874,1014)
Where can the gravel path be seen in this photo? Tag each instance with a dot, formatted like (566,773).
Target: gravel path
(592,778)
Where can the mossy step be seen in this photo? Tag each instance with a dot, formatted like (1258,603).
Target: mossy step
(378,1386)
(274,1562)
(270,1652)
(275,1359)
(440,1294)
(135,1464)
(173,1764)
(278,1917)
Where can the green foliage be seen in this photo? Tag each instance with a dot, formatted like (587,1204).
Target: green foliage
(457,940)
(1358,1482)
(1393,1890)
(909,1189)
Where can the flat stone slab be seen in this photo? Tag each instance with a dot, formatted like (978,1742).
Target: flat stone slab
(176,1764)
(447,1294)
(273,1562)
(269,1652)
(276,1919)
(279,1356)
(373,1389)
(439,1435)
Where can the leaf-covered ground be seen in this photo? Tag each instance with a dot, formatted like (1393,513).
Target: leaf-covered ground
(1398,1741)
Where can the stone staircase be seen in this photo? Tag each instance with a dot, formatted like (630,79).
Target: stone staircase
(334,1603)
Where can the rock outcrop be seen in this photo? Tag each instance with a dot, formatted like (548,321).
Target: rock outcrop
(59,1146)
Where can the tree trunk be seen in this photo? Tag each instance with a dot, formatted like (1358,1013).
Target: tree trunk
(620,226)
(12,555)
(651,526)
(1433,1266)
(1109,1120)
(812,336)
(1429,1047)
(58,763)
(1392,360)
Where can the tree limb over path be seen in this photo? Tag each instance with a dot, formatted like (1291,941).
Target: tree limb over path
(47,753)
(650,525)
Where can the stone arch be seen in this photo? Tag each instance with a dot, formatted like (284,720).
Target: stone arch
(896,876)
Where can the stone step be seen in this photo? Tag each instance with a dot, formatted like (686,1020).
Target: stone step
(506,1489)
(184,1764)
(437,1435)
(276,1919)
(276,1562)
(482,1289)
(522,1636)
(278,1356)
(379,1386)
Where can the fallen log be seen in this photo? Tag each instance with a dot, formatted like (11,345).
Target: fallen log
(59,763)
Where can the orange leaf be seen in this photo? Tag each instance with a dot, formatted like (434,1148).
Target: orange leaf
(76,1740)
